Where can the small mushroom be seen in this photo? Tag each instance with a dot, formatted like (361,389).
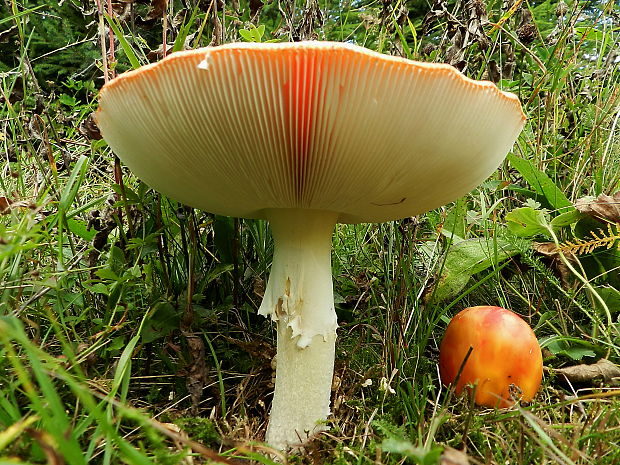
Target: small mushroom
(306,135)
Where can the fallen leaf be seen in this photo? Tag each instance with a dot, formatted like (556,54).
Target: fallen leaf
(89,129)
(603,370)
(158,8)
(549,250)
(453,457)
(197,371)
(5,206)
(604,207)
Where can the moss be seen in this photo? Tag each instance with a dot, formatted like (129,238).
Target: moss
(199,429)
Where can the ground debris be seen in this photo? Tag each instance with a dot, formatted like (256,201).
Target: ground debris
(551,251)
(197,373)
(5,206)
(452,456)
(603,370)
(604,207)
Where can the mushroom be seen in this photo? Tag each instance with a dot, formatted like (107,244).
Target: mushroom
(306,135)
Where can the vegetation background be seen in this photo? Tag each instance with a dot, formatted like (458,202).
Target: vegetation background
(128,326)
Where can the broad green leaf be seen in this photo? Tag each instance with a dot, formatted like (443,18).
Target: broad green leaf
(569,347)
(611,296)
(246,35)
(99,288)
(566,219)
(577,353)
(80,229)
(456,220)
(527,222)
(467,258)
(67,100)
(253,34)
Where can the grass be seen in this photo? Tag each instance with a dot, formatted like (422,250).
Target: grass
(128,327)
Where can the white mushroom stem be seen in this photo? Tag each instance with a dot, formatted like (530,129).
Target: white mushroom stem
(299,297)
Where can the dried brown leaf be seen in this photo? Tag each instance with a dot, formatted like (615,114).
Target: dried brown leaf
(197,371)
(453,457)
(603,370)
(604,207)
(493,72)
(256,348)
(527,33)
(549,250)
(158,8)
(89,129)
(5,206)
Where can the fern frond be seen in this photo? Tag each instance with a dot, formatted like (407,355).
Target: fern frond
(607,238)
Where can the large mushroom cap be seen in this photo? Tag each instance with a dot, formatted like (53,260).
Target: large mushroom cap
(242,128)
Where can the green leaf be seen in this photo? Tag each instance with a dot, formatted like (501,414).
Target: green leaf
(569,347)
(131,196)
(67,100)
(253,34)
(566,219)
(116,260)
(541,183)
(117,344)
(467,258)
(527,222)
(543,436)
(218,270)
(611,296)
(577,353)
(123,367)
(184,29)
(107,273)
(99,288)
(455,223)
(419,455)
(13,431)
(163,319)
(245,35)
(80,229)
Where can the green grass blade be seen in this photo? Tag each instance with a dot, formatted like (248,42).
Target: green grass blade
(540,182)
(20,14)
(73,184)
(131,55)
